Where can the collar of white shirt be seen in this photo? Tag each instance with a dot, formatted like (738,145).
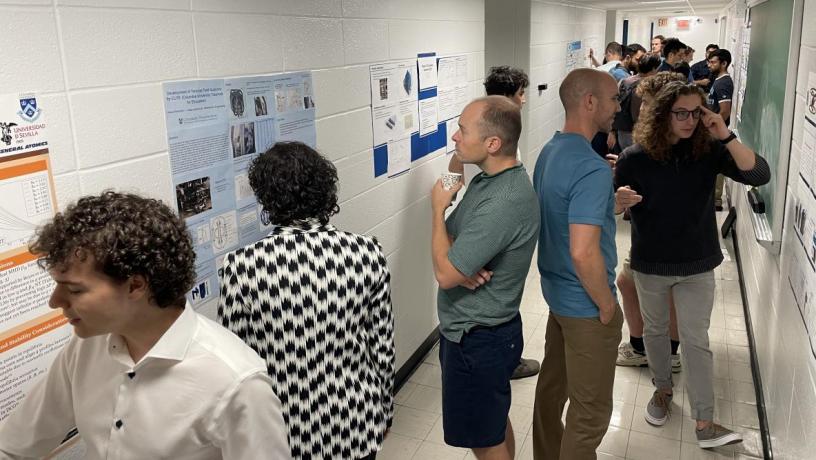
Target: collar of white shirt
(172,345)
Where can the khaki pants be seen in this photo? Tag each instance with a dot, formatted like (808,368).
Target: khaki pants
(579,365)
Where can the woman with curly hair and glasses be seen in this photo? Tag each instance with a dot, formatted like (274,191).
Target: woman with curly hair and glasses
(668,178)
(314,301)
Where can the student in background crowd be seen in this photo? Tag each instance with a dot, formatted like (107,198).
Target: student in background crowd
(684,66)
(613,61)
(657,44)
(576,260)
(700,73)
(668,180)
(631,56)
(719,101)
(144,375)
(315,302)
(630,103)
(673,52)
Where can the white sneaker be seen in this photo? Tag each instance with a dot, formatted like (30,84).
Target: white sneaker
(677,366)
(628,356)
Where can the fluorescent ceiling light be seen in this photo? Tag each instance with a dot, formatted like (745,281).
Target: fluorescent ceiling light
(656,2)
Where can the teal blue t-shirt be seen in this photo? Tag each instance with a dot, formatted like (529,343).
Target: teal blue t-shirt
(574,186)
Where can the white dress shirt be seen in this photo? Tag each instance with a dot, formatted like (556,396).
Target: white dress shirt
(199,393)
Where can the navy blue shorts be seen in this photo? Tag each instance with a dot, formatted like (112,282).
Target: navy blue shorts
(476,383)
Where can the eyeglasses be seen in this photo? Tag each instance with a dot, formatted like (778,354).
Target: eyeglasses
(683,115)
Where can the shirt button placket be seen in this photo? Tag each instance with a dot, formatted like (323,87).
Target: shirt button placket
(118,425)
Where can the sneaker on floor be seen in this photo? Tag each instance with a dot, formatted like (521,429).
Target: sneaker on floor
(716,435)
(659,408)
(677,366)
(628,356)
(526,368)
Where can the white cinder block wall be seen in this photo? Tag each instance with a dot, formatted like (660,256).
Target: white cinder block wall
(552,27)
(787,366)
(98,66)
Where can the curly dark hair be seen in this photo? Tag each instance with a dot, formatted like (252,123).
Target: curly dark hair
(126,235)
(649,86)
(293,182)
(653,128)
(505,81)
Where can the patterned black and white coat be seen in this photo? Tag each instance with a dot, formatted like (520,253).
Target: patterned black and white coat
(315,303)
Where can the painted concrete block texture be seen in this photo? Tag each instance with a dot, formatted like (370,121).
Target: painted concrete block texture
(120,46)
(32,34)
(238,44)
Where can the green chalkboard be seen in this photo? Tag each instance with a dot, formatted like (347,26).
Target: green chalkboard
(760,123)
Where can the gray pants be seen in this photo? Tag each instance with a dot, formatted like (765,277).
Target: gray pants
(694,300)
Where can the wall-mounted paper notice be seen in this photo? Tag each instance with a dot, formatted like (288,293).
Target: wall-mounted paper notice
(399,156)
(428,115)
(427,72)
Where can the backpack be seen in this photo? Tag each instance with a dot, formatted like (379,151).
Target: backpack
(624,120)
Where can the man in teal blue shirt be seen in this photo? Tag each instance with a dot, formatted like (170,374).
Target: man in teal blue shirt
(481,256)
(576,260)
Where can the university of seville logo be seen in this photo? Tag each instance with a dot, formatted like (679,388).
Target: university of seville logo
(28,109)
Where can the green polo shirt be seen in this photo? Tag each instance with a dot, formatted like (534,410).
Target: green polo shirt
(495,227)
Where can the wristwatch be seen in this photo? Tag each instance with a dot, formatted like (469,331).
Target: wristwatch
(728,139)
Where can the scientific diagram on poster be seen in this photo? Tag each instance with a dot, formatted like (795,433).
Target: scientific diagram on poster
(394,109)
(30,332)
(215,128)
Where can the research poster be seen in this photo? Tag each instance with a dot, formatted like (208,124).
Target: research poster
(802,271)
(30,332)
(215,128)
(395,110)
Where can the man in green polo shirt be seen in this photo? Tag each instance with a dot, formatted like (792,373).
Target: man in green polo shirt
(481,257)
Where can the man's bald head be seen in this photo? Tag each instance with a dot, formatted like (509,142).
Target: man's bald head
(500,117)
(579,83)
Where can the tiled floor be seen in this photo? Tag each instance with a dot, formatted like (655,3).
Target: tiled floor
(417,429)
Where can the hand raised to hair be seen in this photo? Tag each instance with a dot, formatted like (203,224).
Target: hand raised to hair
(714,123)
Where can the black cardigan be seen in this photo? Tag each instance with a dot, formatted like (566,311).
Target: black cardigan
(674,228)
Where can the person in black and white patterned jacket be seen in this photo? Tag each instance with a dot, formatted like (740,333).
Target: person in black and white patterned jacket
(315,302)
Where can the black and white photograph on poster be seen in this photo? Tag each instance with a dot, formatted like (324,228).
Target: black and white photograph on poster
(242,138)
(260,106)
(194,197)
(308,100)
(237,102)
(383,89)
